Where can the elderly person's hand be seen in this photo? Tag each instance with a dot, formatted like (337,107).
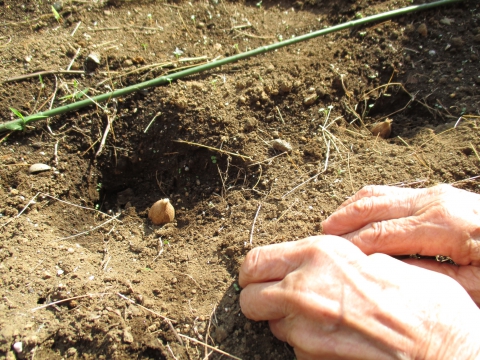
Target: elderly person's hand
(328,299)
(440,220)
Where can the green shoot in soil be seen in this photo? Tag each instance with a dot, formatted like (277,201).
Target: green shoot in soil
(58,17)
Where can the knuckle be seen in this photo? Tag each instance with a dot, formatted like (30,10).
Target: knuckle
(377,236)
(368,190)
(441,189)
(363,208)
(378,231)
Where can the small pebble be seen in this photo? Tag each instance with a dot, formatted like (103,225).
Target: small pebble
(127,336)
(58,5)
(92,61)
(127,63)
(95,57)
(446,21)
(38,168)
(71,352)
(281,145)
(18,347)
(457,42)
(309,100)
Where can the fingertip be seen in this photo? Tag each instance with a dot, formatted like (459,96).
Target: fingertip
(248,267)
(324,227)
(262,301)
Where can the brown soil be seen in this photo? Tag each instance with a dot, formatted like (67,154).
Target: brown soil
(128,273)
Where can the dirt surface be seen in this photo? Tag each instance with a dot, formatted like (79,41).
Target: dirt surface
(80,230)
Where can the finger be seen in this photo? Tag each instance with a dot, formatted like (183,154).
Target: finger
(368,210)
(410,235)
(375,191)
(467,276)
(278,329)
(262,301)
(272,262)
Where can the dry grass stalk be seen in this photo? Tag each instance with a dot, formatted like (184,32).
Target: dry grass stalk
(69,299)
(43,73)
(244,157)
(253,224)
(209,346)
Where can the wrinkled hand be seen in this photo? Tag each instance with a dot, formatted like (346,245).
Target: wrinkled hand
(440,220)
(329,300)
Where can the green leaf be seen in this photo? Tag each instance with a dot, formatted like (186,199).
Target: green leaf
(80,94)
(16,112)
(56,14)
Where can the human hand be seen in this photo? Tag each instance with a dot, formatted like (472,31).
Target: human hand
(329,300)
(440,220)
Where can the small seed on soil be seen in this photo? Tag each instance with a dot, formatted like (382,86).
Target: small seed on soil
(161,212)
(281,145)
(37,168)
(382,129)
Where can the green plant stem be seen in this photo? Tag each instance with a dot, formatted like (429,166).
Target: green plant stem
(195,70)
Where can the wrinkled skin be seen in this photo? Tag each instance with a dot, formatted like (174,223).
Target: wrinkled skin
(337,297)
(440,220)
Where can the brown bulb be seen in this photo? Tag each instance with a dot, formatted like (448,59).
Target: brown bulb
(382,129)
(161,212)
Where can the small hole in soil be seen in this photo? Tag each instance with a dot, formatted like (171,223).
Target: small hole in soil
(41,300)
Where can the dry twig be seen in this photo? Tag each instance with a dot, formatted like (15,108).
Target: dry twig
(42,73)
(253,224)
(209,346)
(69,299)
(213,149)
